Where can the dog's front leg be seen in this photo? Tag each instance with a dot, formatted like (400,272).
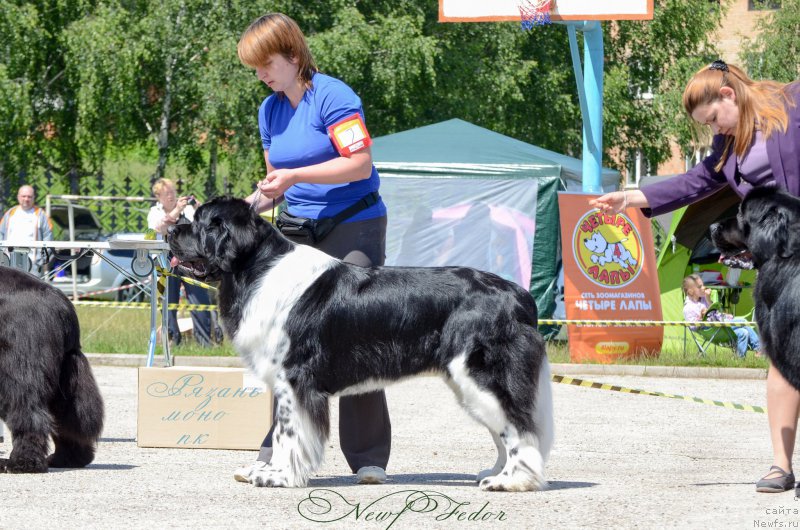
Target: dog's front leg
(301,430)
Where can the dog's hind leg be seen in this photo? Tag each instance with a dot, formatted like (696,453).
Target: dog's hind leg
(521,452)
(302,425)
(30,432)
(78,414)
(501,450)
(527,449)
(499,464)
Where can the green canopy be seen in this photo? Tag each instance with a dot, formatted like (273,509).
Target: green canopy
(455,145)
(461,194)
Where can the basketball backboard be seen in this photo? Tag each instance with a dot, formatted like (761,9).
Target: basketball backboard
(508,10)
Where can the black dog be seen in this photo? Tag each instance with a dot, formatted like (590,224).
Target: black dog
(46,384)
(312,326)
(766,235)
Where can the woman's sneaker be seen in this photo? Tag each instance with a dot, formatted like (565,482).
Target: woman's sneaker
(245,474)
(371,475)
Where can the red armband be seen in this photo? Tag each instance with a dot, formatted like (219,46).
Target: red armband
(350,135)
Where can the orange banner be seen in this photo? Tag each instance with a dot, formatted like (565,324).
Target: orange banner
(609,274)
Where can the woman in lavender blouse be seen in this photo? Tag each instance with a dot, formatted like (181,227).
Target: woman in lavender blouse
(756,127)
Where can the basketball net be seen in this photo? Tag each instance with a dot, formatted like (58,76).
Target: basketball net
(534,13)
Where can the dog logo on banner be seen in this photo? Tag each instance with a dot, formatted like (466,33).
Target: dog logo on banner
(607,248)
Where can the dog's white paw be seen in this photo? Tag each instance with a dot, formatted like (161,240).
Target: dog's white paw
(504,482)
(269,477)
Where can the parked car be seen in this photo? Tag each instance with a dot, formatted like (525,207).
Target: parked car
(95,278)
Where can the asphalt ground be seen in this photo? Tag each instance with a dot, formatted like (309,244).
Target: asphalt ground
(619,461)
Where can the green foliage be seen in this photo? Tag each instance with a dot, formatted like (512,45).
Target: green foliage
(16,122)
(103,57)
(85,82)
(649,63)
(163,76)
(387,60)
(773,54)
(43,104)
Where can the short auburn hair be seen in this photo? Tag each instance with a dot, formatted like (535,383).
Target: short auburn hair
(276,33)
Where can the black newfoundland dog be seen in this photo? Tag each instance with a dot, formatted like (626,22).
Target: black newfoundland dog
(312,327)
(46,385)
(766,235)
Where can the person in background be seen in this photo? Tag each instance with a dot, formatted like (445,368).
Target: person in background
(27,222)
(171,210)
(320,180)
(756,142)
(695,309)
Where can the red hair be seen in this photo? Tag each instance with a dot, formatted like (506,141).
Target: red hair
(275,33)
(762,104)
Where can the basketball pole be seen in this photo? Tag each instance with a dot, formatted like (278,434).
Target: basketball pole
(590,95)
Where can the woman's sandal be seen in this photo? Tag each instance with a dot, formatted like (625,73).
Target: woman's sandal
(782,482)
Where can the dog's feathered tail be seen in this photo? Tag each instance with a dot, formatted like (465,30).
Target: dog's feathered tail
(78,413)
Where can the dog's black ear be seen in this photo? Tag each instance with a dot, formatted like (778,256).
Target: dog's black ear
(792,245)
(213,240)
(769,234)
(245,232)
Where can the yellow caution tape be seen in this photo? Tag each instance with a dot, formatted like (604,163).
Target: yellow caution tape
(161,285)
(604,386)
(642,323)
(146,305)
(164,272)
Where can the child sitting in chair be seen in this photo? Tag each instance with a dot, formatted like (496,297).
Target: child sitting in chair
(697,307)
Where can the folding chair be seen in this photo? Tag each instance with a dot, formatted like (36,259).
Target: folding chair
(706,336)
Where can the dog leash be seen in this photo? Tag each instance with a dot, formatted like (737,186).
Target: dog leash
(256,200)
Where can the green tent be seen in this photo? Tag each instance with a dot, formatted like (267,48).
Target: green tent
(687,249)
(459,194)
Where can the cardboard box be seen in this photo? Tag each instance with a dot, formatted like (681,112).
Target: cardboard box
(202,408)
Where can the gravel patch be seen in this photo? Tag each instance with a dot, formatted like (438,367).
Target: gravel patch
(619,460)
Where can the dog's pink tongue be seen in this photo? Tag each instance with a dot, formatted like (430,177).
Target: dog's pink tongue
(174,262)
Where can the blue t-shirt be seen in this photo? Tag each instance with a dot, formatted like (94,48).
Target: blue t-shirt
(299,137)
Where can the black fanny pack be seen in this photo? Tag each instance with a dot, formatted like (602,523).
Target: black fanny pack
(315,230)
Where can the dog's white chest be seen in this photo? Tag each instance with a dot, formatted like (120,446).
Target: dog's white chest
(261,338)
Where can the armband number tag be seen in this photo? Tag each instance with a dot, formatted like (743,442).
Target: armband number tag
(350,135)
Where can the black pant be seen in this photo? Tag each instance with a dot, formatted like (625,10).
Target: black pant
(365,432)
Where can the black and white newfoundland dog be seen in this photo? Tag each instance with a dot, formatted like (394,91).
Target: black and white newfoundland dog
(46,384)
(313,327)
(765,235)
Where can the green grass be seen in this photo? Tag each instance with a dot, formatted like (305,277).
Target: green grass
(111,330)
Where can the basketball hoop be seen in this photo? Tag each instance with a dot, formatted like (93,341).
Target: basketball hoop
(534,13)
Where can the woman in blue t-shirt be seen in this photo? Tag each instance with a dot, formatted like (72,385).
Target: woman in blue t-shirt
(306,169)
